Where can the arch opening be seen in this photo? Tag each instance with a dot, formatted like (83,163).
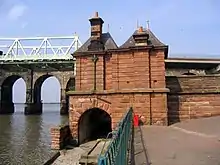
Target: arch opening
(47,91)
(70,85)
(93,124)
(13,90)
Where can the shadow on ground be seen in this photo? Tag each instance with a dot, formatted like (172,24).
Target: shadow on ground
(139,155)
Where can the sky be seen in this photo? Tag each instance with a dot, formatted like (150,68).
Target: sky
(190,28)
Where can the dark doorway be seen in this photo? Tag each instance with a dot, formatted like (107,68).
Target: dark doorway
(93,124)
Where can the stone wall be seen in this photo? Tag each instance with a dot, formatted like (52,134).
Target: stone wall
(150,105)
(122,70)
(136,69)
(181,71)
(60,136)
(85,73)
(193,97)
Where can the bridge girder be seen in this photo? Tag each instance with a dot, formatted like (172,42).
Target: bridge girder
(41,48)
(20,66)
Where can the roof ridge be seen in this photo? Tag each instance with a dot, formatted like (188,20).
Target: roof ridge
(152,38)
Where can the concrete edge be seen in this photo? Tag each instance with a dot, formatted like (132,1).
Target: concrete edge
(52,159)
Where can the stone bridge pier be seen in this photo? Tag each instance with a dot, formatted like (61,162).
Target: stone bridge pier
(34,81)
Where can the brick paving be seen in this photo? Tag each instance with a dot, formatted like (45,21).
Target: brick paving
(194,142)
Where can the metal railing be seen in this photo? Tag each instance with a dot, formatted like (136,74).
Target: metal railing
(117,152)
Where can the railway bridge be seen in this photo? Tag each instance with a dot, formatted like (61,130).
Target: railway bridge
(36,59)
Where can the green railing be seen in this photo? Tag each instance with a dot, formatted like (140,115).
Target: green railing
(117,152)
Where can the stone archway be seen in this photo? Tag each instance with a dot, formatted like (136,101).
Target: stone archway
(71,84)
(37,98)
(7,105)
(93,124)
(37,87)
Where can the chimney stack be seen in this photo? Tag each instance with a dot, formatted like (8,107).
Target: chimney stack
(96,33)
(141,37)
(140,29)
(96,14)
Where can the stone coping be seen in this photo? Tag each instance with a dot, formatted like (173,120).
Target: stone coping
(195,92)
(52,159)
(123,91)
(191,76)
(91,156)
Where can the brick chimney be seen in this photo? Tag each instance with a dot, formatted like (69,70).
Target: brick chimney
(141,37)
(96,33)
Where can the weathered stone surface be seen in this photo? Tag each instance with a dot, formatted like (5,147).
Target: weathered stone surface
(193,97)
(60,136)
(34,81)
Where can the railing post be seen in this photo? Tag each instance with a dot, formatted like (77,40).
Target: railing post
(102,161)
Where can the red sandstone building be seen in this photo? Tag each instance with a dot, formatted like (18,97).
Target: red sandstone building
(138,74)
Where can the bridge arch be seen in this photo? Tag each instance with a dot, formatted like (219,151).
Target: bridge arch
(7,105)
(70,85)
(94,123)
(38,87)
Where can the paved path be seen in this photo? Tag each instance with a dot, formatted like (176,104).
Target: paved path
(72,156)
(69,157)
(196,142)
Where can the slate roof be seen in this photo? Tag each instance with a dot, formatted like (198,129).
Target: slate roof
(153,40)
(107,39)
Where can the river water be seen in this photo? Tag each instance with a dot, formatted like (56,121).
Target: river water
(25,140)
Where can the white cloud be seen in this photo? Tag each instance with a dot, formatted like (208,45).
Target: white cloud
(16,12)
